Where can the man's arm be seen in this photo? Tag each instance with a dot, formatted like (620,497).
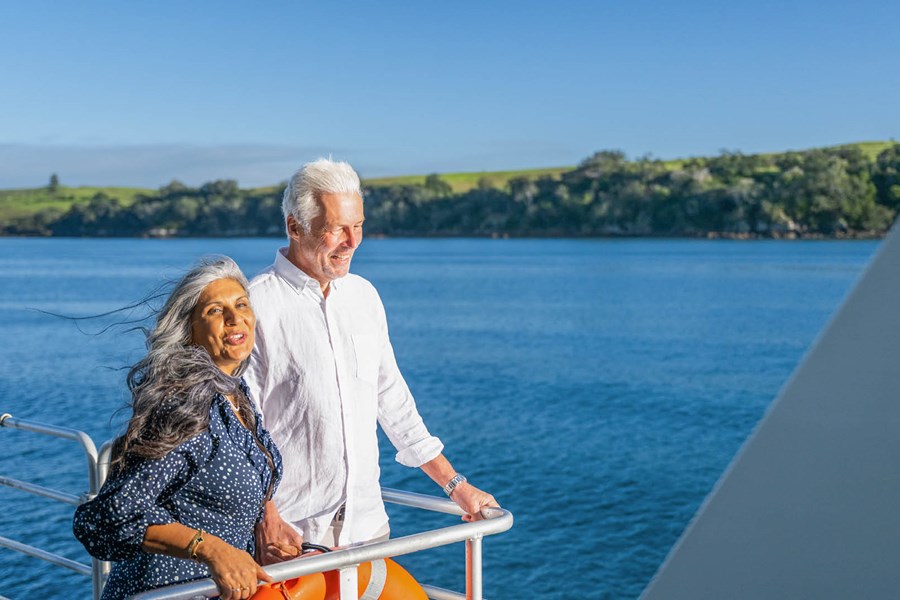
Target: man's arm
(400,420)
(467,496)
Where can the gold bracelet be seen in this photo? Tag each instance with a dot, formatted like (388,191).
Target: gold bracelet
(192,547)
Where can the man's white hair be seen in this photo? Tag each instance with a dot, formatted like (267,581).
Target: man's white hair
(303,191)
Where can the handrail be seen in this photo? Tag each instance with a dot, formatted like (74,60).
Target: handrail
(423,501)
(103,459)
(50,557)
(497,520)
(98,569)
(87,444)
(39,490)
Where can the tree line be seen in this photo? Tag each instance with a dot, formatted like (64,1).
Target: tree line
(830,192)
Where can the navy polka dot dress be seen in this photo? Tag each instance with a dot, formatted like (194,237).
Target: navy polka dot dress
(216,481)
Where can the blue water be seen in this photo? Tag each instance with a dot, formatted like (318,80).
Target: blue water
(596,388)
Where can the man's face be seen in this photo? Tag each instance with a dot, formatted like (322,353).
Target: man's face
(325,252)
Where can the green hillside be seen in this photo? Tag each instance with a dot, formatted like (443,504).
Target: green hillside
(871,149)
(18,203)
(24,202)
(463,182)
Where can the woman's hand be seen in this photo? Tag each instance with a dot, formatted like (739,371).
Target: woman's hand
(276,540)
(234,571)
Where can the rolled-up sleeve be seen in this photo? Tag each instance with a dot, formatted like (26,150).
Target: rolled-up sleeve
(112,526)
(397,412)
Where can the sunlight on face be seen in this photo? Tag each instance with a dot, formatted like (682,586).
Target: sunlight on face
(326,251)
(223,324)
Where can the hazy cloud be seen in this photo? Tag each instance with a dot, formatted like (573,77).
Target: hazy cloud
(252,165)
(150,165)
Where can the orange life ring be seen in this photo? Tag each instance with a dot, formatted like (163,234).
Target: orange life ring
(308,587)
(381,579)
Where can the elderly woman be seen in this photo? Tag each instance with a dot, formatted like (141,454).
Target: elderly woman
(195,470)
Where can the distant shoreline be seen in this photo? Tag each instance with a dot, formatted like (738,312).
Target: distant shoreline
(840,192)
(726,236)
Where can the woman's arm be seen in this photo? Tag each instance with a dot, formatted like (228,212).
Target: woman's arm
(234,571)
(113,525)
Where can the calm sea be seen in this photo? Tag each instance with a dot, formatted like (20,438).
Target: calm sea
(596,388)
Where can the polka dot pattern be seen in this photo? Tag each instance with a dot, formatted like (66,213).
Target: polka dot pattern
(216,481)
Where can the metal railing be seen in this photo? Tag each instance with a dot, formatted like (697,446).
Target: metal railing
(98,569)
(346,560)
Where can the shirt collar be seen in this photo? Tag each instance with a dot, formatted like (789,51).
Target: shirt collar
(293,275)
(296,277)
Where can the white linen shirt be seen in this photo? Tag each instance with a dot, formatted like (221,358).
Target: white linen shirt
(323,373)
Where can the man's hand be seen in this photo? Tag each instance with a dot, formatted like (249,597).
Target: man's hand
(276,540)
(467,496)
(472,500)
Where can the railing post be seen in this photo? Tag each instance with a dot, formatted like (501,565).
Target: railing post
(97,577)
(473,568)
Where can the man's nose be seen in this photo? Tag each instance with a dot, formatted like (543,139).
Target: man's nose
(352,238)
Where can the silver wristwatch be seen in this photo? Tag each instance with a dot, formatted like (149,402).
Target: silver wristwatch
(451,485)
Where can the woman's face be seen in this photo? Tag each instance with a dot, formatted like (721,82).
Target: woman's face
(223,323)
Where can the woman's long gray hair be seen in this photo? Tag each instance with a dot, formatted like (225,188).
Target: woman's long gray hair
(172,387)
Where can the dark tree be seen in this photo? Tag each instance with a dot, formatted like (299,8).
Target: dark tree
(437,186)
(886,177)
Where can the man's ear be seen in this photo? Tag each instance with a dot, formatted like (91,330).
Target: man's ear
(294,228)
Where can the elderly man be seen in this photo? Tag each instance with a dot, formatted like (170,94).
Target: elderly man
(323,372)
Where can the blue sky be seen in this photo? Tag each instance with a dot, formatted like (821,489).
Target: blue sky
(140,93)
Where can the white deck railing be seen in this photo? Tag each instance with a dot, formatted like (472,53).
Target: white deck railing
(345,560)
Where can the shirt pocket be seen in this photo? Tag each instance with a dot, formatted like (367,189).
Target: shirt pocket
(365,349)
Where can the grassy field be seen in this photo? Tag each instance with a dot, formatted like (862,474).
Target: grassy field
(22,202)
(463,182)
(871,149)
(15,203)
